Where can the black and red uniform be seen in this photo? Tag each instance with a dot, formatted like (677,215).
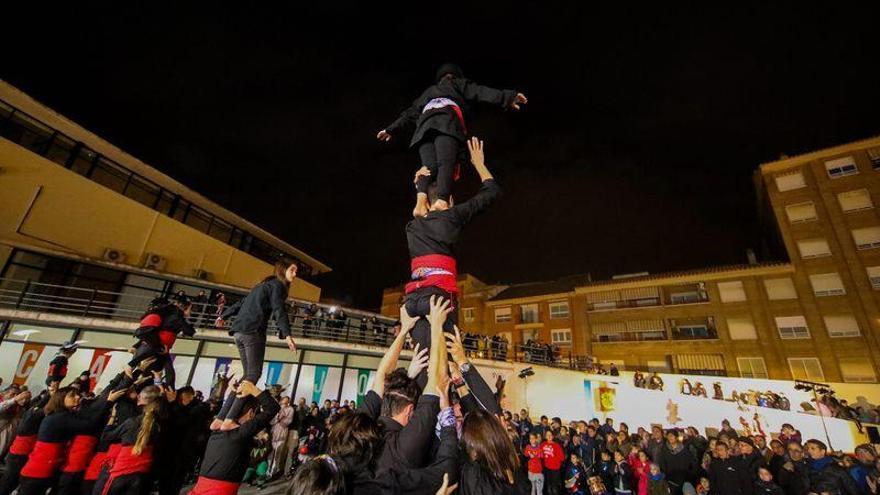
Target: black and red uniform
(49,453)
(23,444)
(130,472)
(438,116)
(157,333)
(108,448)
(432,241)
(82,447)
(57,369)
(228,452)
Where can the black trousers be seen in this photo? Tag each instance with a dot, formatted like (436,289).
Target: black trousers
(149,346)
(552,481)
(439,153)
(418,303)
(34,486)
(252,351)
(11,476)
(69,484)
(131,484)
(87,487)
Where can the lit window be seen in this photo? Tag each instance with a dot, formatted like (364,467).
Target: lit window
(857,200)
(529,313)
(559,310)
(561,336)
(874,156)
(874,276)
(791,181)
(857,370)
(842,326)
(502,315)
(814,248)
(806,369)
(841,167)
(827,284)
(780,288)
(752,367)
(867,238)
(468,314)
(732,291)
(741,329)
(801,212)
(792,327)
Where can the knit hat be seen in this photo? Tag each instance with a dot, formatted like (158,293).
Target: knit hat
(448,68)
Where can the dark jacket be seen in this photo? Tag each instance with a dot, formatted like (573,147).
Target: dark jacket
(253,312)
(827,476)
(623,477)
(729,477)
(767,488)
(476,481)
(796,481)
(403,446)
(444,120)
(679,466)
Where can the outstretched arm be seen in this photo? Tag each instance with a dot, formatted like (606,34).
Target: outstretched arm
(505,98)
(389,360)
(488,191)
(407,118)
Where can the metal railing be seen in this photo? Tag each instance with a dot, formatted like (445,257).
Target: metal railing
(314,322)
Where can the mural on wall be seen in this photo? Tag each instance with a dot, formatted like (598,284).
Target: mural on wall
(30,354)
(320,380)
(100,360)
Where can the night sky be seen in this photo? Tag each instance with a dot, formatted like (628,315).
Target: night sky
(635,153)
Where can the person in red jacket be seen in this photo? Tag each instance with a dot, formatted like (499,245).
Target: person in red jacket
(535,454)
(553,459)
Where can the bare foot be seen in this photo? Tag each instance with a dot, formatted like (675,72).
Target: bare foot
(440,205)
(216,424)
(421,208)
(228,425)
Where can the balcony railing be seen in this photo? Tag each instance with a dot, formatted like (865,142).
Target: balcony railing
(643,336)
(314,322)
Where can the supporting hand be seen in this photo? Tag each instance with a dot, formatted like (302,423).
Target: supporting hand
(455,347)
(407,322)
(419,361)
(383,136)
(445,489)
(440,309)
(291,344)
(519,99)
(422,172)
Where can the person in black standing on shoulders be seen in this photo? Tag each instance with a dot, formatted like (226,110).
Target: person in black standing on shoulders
(249,329)
(58,365)
(432,242)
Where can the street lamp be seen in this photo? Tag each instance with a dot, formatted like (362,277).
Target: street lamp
(816,388)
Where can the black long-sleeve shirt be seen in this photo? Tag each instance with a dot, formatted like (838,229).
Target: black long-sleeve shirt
(480,396)
(438,231)
(404,445)
(228,452)
(264,300)
(62,426)
(462,92)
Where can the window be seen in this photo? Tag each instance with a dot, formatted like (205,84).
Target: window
(752,367)
(874,276)
(468,314)
(792,327)
(857,370)
(110,175)
(558,310)
(801,212)
(874,156)
(842,326)
(142,191)
(857,200)
(502,315)
(528,313)
(841,167)
(561,336)
(791,181)
(814,248)
(806,369)
(741,329)
(693,328)
(827,284)
(780,288)
(732,291)
(867,238)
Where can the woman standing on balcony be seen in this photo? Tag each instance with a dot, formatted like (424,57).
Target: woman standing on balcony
(249,330)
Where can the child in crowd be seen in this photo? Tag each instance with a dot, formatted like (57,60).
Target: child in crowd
(553,459)
(606,470)
(765,484)
(259,462)
(623,475)
(535,454)
(575,477)
(657,484)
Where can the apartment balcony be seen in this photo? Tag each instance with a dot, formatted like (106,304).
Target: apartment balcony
(630,331)
(693,328)
(648,297)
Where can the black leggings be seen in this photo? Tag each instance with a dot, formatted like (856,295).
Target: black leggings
(131,484)
(252,350)
(149,346)
(69,484)
(439,153)
(35,486)
(11,476)
(418,304)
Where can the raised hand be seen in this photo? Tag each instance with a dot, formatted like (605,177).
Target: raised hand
(291,344)
(475,146)
(116,395)
(455,346)
(383,136)
(440,309)
(519,99)
(419,361)
(422,172)
(445,489)
(407,322)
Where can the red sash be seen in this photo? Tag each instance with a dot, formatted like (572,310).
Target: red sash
(44,460)
(167,338)
(79,453)
(208,486)
(128,463)
(446,281)
(95,465)
(23,444)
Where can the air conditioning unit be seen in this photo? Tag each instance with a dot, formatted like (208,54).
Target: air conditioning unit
(201,274)
(154,261)
(114,255)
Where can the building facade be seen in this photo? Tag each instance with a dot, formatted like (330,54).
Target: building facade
(90,234)
(814,317)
